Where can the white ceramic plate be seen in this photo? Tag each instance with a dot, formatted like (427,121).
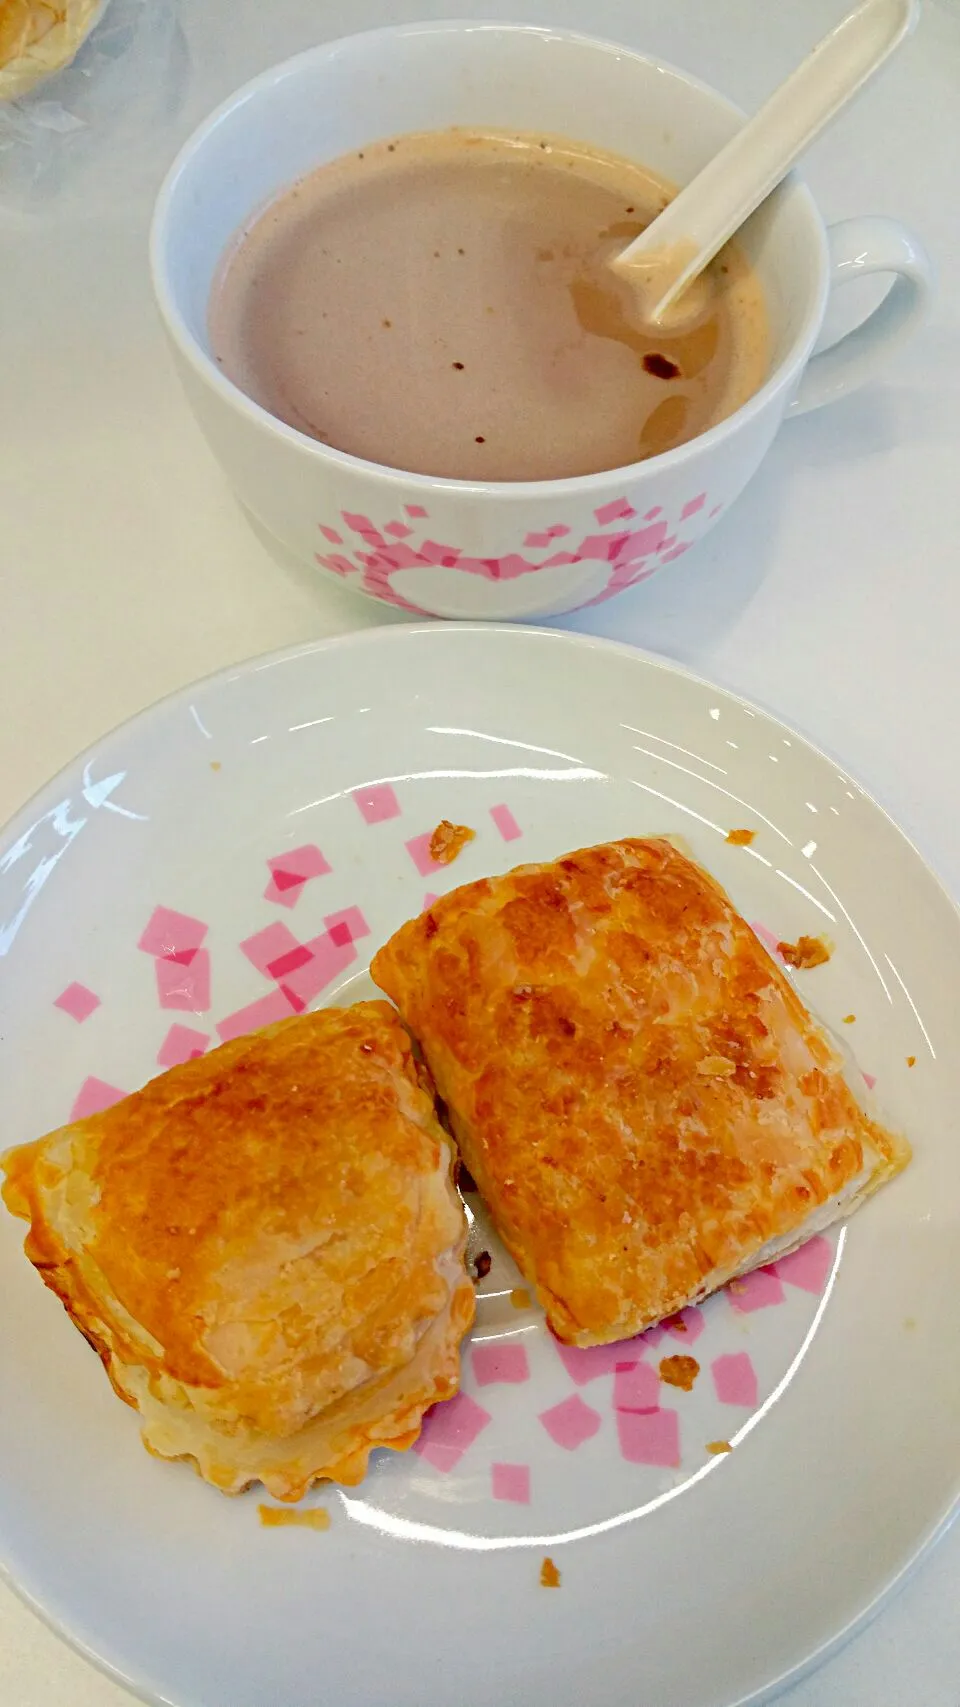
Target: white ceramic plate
(286,802)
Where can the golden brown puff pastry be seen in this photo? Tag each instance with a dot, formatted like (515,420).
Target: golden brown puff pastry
(39,37)
(265,1247)
(638,1091)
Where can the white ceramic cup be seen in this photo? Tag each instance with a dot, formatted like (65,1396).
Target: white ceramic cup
(459,548)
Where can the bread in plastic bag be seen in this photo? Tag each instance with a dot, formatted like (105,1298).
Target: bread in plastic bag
(90,130)
(40,37)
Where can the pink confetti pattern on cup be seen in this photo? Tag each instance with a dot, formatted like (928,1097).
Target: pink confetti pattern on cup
(377,552)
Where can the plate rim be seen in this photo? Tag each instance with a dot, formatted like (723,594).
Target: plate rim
(394,633)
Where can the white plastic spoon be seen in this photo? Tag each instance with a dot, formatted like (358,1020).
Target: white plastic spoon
(663,261)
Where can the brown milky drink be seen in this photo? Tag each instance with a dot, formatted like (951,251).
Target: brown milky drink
(441,304)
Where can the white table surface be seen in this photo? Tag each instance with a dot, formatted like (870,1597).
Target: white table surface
(831,593)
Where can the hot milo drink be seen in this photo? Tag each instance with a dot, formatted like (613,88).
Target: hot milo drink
(442,303)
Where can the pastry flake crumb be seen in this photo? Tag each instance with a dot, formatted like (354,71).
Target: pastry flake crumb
(849,1019)
(549,1575)
(448,840)
(214,764)
(520,1298)
(911,1060)
(741,838)
(805,953)
(716,1067)
(283,1517)
(675,1325)
(718,1446)
(680,1371)
(482,1264)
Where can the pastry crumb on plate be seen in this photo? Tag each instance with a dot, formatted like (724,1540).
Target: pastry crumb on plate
(680,1371)
(448,840)
(289,1517)
(805,953)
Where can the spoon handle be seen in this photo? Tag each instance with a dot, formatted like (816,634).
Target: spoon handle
(679,243)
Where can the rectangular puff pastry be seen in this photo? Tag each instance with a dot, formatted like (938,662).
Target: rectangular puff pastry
(266,1249)
(638,1091)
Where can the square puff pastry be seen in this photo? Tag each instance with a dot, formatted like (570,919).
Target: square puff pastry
(265,1247)
(638,1091)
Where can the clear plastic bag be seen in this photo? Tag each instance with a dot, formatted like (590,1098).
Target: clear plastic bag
(125,81)
(39,37)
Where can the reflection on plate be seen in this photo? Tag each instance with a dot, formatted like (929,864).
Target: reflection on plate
(235,855)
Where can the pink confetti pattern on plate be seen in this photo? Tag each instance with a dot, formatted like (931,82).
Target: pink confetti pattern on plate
(585,1363)
(500,1362)
(449,1430)
(735,1379)
(809,1267)
(290,872)
(327,960)
(185,986)
(169,934)
(506,823)
(182,1043)
(687,1325)
(511,1482)
(266,1011)
(651,1337)
(270,947)
(636,1387)
(378,803)
(571,1422)
(284,889)
(755,1291)
(346,926)
(93,1097)
(302,863)
(419,850)
(77,1001)
(649,1437)
(768,937)
(625,1386)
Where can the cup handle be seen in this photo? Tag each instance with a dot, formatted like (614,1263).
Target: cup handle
(858,247)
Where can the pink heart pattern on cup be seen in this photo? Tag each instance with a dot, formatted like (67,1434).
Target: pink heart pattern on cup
(634,547)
